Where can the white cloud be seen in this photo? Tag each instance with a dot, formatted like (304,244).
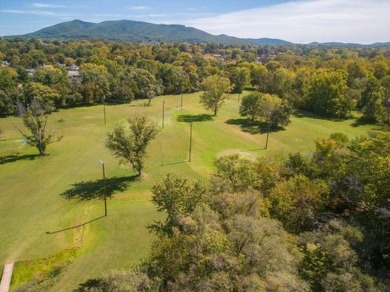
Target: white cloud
(138,8)
(305,21)
(32,12)
(45,5)
(156,15)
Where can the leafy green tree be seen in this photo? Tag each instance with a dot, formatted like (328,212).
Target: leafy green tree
(57,80)
(260,76)
(302,75)
(214,95)
(326,94)
(45,94)
(328,154)
(281,83)
(374,110)
(330,262)
(296,164)
(298,202)
(51,76)
(266,108)
(8,90)
(94,85)
(251,106)
(233,174)
(280,115)
(381,67)
(133,280)
(373,99)
(385,118)
(177,197)
(144,84)
(122,87)
(211,252)
(130,147)
(356,70)
(368,162)
(240,77)
(35,118)
(172,78)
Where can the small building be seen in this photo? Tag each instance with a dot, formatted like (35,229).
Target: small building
(74,74)
(30,72)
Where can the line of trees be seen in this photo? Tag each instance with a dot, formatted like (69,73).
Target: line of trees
(324,80)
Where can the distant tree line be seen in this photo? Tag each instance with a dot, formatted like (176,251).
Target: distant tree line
(327,81)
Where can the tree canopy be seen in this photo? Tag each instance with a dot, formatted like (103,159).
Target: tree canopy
(130,147)
(265,108)
(34,118)
(329,81)
(215,88)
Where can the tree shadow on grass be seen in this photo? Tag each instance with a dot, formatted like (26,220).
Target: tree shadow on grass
(89,190)
(305,114)
(264,128)
(195,118)
(90,285)
(173,163)
(253,127)
(13,158)
(76,226)
(361,122)
(247,126)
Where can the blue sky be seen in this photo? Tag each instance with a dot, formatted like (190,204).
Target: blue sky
(300,21)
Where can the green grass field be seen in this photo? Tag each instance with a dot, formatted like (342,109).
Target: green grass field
(37,221)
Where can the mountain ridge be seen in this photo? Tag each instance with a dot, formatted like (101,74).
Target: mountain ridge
(139,31)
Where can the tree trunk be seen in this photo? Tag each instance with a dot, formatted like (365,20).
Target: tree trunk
(41,149)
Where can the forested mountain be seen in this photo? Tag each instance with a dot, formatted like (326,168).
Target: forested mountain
(137,31)
(144,32)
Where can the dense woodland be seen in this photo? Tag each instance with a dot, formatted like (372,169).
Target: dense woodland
(323,80)
(298,223)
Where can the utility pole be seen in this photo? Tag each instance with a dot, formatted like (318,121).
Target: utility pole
(104,109)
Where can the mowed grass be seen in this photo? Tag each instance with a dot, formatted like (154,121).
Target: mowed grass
(38,222)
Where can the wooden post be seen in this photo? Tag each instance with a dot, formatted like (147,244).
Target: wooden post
(190,149)
(181,100)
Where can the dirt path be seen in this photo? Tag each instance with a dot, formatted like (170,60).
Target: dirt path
(6,277)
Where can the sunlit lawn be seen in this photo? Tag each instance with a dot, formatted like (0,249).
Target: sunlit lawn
(37,220)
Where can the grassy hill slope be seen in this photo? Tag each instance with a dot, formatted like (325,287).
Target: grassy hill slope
(38,221)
